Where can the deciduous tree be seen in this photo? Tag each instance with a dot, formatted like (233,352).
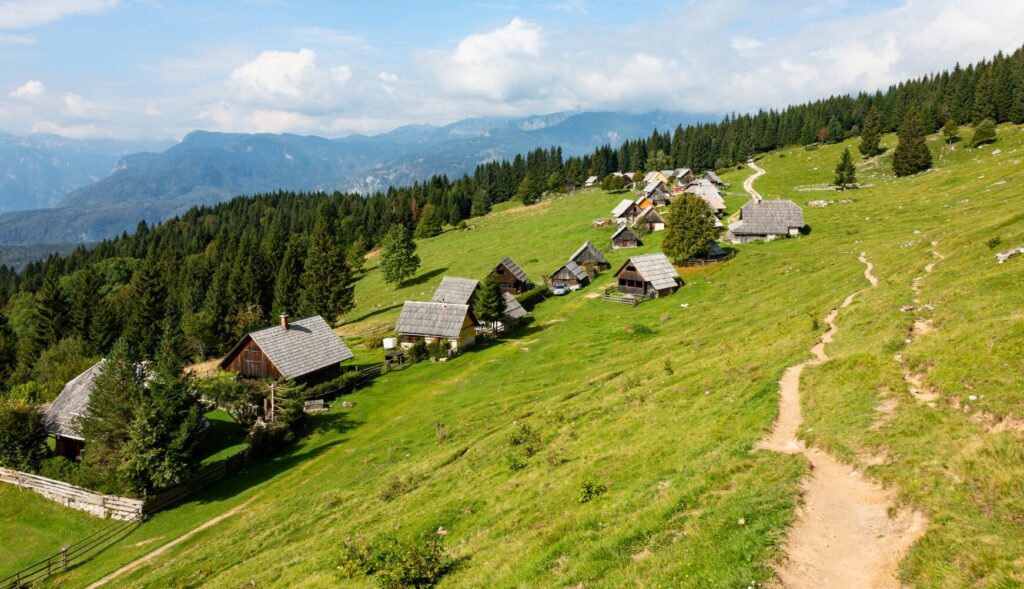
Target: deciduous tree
(690,228)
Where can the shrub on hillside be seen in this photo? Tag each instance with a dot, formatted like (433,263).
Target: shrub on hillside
(22,436)
(533,297)
(590,490)
(984,133)
(396,563)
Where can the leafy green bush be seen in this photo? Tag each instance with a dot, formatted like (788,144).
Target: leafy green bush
(591,490)
(418,352)
(267,439)
(533,297)
(641,330)
(342,384)
(994,242)
(515,461)
(527,438)
(396,564)
(437,349)
(984,133)
(396,487)
(22,436)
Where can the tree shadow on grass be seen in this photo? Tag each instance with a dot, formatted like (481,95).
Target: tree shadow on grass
(423,277)
(373,313)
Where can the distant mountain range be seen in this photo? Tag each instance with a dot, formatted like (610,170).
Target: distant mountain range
(207,167)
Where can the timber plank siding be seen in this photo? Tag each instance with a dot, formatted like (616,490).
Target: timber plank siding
(251,362)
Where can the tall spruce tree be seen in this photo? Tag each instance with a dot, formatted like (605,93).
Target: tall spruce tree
(326,281)
(690,228)
(984,98)
(846,172)
(8,350)
(398,260)
(288,285)
(912,154)
(51,314)
(871,134)
(147,308)
(430,222)
(489,303)
(1016,113)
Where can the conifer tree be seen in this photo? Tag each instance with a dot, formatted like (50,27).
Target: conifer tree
(398,260)
(147,307)
(528,191)
(430,222)
(326,281)
(834,130)
(984,98)
(51,314)
(8,349)
(22,435)
(1017,103)
(82,301)
(912,154)
(288,285)
(489,303)
(356,255)
(984,133)
(871,134)
(846,172)
(481,203)
(690,228)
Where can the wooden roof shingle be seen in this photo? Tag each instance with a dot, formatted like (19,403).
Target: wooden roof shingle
(308,345)
(61,418)
(709,193)
(455,290)
(432,319)
(591,249)
(622,208)
(513,308)
(515,270)
(624,229)
(656,269)
(768,217)
(573,269)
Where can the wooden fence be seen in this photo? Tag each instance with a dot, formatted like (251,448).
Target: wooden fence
(730,254)
(612,295)
(213,473)
(69,555)
(119,508)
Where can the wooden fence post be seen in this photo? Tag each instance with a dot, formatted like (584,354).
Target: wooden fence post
(64,557)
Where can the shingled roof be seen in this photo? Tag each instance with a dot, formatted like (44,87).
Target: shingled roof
(768,217)
(515,270)
(622,207)
(306,346)
(649,215)
(513,308)
(710,175)
(709,193)
(455,290)
(592,249)
(432,319)
(574,269)
(656,269)
(61,417)
(622,229)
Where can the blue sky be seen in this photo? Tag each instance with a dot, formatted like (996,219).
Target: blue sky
(161,68)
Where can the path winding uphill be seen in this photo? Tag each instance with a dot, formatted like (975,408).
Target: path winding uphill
(844,535)
(748,184)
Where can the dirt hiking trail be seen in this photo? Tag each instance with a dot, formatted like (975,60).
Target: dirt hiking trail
(843,536)
(748,184)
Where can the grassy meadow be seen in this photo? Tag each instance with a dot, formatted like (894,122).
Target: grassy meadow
(662,404)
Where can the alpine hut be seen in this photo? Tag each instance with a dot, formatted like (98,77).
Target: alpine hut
(625,212)
(765,220)
(591,182)
(651,219)
(713,178)
(513,279)
(61,418)
(710,194)
(589,255)
(684,176)
(571,276)
(453,325)
(513,312)
(625,237)
(648,276)
(459,291)
(306,350)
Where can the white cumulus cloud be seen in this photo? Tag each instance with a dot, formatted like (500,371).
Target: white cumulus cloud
(278,78)
(20,14)
(29,89)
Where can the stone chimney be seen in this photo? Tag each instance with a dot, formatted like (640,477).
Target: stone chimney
(284,321)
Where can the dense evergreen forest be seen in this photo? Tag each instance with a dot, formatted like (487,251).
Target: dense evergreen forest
(217,271)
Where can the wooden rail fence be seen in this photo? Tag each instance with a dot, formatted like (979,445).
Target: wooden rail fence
(69,555)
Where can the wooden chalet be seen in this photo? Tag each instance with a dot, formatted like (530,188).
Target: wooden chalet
(571,276)
(655,176)
(649,276)
(626,211)
(684,176)
(653,186)
(651,219)
(589,255)
(710,195)
(459,291)
(660,198)
(454,325)
(306,351)
(765,220)
(61,417)
(712,177)
(625,237)
(513,279)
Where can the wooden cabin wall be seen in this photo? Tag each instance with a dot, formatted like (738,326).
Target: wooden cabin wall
(251,362)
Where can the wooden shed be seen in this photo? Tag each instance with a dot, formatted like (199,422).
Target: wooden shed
(649,275)
(624,237)
(513,279)
(306,350)
(651,219)
(626,211)
(452,324)
(709,193)
(459,291)
(713,178)
(684,176)
(513,312)
(589,256)
(571,276)
(61,417)
(765,220)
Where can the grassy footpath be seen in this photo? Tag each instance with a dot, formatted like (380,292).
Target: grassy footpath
(32,528)
(665,420)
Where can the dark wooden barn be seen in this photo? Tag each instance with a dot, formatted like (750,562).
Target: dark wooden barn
(625,237)
(61,417)
(306,350)
(571,276)
(650,275)
(513,279)
(588,256)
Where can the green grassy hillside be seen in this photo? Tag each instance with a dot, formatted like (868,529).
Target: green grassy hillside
(665,417)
